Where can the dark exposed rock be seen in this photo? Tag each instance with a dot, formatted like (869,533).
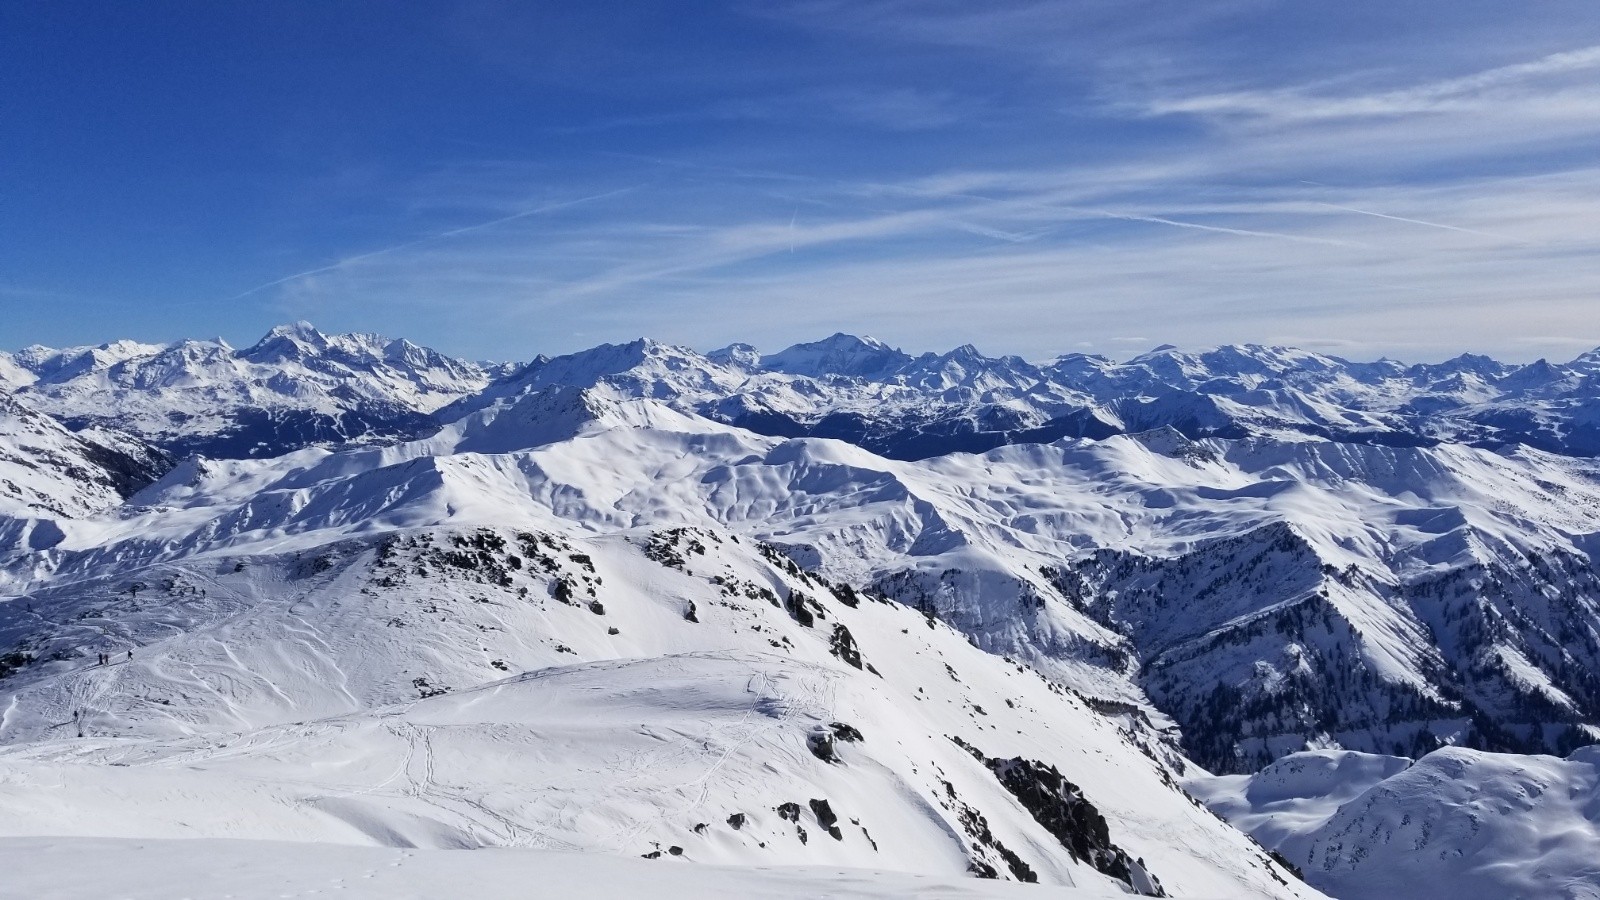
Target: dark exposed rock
(12,661)
(843,645)
(1061,808)
(847,733)
(802,608)
(827,818)
(977,828)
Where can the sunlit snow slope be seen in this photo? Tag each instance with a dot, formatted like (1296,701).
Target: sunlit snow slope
(749,609)
(1456,823)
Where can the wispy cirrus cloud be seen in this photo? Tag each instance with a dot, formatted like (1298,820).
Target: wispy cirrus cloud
(922,271)
(1127,171)
(1546,84)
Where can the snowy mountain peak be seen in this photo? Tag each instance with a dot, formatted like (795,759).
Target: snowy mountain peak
(300,330)
(839,354)
(1589,361)
(295,341)
(743,356)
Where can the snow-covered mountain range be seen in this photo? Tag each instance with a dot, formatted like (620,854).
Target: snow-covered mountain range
(294,388)
(835,605)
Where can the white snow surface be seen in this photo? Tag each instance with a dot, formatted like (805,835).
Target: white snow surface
(378,696)
(334,646)
(130,869)
(1457,823)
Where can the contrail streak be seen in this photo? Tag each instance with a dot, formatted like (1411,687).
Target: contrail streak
(454,232)
(1379,215)
(1243,232)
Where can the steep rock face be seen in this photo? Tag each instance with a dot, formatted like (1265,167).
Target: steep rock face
(296,387)
(1258,646)
(1061,808)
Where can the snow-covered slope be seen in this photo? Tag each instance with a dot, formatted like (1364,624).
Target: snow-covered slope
(648,693)
(47,471)
(1456,823)
(128,869)
(695,593)
(1268,596)
(294,388)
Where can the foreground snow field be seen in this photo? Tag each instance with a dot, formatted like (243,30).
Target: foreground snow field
(108,869)
(429,692)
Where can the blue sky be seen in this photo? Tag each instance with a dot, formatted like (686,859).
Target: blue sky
(500,179)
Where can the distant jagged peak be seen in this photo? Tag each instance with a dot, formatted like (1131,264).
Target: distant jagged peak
(51,363)
(644,358)
(1587,361)
(1075,366)
(299,330)
(285,342)
(967,368)
(642,368)
(969,355)
(1475,362)
(1188,368)
(1540,373)
(740,355)
(838,354)
(299,340)
(303,343)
